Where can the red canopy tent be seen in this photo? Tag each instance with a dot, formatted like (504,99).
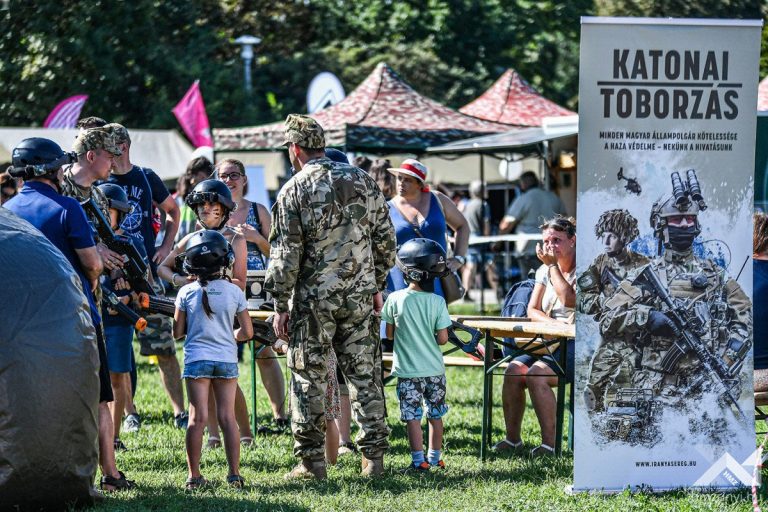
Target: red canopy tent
(762,95)
(510,100)
(384,114)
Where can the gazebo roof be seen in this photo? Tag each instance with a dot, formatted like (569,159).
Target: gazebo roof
(762,95)
(383,113)
(510,100)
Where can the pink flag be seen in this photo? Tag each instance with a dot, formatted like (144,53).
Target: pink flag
(192,117)
(66,113)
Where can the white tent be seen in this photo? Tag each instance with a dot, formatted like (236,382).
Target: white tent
(164,151)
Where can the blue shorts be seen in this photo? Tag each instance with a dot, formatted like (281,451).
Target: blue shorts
(119,341)
(412,391)
(552,362)
(476,257)
(210,370)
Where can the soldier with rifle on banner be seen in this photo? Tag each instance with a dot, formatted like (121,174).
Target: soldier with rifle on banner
(691,321)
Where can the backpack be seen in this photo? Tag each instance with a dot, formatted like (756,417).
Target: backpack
(516,305)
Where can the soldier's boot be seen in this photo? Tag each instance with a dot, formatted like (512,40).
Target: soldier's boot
(373,467)
(308,469)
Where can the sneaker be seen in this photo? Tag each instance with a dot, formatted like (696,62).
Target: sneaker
(347,448)
(132,423)
(440,464)
(181,420)
(423,467)
(120,446)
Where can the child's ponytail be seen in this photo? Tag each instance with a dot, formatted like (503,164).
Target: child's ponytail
(206,304)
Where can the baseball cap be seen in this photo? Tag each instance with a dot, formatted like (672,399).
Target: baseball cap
(96,138)
(120,132)
(304,131)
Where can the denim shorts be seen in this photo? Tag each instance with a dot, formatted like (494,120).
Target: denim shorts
(210,370)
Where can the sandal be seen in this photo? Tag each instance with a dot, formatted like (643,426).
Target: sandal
(505,445)
(194,483)
(543,450)
(214,442)
(246,441)
(119,484)
(236,481)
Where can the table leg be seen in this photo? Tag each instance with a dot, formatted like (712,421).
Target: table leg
(561,383)
(253,385)
(485,433)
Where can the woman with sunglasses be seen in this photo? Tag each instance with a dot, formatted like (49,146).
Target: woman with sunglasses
(253,222)
(553,298)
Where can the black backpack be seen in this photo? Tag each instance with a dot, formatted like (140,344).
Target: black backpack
(516,305)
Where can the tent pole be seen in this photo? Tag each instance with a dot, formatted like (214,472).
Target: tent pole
(481,269)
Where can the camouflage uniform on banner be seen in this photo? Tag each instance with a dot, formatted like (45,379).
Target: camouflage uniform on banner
(332,245)
(715,309)
(614,359)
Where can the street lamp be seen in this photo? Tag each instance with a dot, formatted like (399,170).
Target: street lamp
(247,42)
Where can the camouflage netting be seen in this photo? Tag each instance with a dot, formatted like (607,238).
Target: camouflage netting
(48,375)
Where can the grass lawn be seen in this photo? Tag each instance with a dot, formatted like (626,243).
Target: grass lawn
(156,460)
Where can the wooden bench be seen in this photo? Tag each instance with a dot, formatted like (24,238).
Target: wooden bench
(448,360)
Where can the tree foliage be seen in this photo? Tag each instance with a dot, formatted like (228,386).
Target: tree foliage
(136,59)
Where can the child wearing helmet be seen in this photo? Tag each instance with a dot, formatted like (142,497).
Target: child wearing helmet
(211,200)
(418,321)
(205,310)
(118,331)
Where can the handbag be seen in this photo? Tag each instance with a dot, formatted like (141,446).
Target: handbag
(450,282)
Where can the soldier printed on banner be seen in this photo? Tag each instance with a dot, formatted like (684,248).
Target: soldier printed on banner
(614,357)
(332,243)
(690,321)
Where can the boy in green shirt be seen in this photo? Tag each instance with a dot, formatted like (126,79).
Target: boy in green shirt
(418,321)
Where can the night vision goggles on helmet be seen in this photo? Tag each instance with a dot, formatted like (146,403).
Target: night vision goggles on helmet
(687,201)
(421,260)
(212,191)
(208,253)
(37,157)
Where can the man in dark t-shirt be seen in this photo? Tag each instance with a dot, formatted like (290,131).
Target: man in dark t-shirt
(478,215)
(145,189)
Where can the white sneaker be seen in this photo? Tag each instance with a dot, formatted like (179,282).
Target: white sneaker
(132,423)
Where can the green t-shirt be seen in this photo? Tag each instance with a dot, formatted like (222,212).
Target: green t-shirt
(416,316)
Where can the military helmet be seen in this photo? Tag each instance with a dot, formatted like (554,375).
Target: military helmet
(208,253)
(421,259)
(686,199)
(37,157)
(619,222)
(212,191)
(117,199)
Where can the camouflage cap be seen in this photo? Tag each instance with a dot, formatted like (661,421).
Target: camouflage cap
(120,132)
(96,138)
(304,131)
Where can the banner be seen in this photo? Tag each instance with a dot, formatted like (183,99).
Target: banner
(190,112)
(66,113)
(664,313)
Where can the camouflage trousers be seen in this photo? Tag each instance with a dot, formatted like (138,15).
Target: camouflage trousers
(612,367)
(341,323)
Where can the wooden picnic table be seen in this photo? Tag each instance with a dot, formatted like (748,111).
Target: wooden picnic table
(536,339)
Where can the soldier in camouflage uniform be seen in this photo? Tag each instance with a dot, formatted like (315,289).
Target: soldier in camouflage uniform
(332,245)
(716,310)
(614,357)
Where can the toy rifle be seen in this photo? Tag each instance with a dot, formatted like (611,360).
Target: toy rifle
(473,347)
(111,300)
(134,268)
(685,341)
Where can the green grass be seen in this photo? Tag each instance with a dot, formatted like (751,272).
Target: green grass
(156,460)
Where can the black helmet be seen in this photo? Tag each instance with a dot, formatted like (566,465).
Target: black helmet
(37,157)
(421,259)
(336,156)
(208,253)
(117,199)
(212,191)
